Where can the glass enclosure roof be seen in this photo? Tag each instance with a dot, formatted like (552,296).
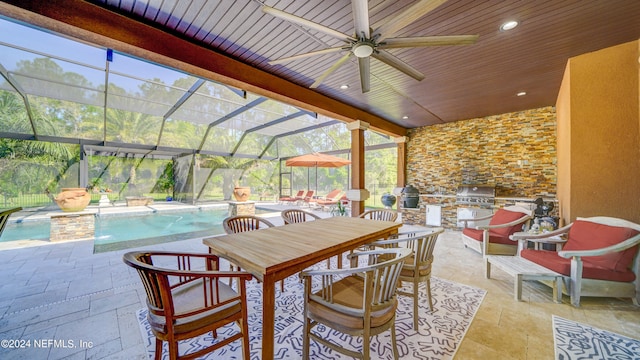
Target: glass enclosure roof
(68,91)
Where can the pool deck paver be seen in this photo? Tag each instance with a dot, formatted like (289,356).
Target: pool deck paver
(63,291)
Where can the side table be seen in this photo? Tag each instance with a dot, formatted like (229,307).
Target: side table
(523,237)
(523,269)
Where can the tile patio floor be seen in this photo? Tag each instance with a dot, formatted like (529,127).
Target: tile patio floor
(66,292)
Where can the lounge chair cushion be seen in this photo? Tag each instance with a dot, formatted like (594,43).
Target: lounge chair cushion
(551,260)
(494,237)
(503,216)
(586,235)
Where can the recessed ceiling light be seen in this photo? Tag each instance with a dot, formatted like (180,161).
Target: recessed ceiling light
(522,93)
(508,25)
(405,117)
(344,87)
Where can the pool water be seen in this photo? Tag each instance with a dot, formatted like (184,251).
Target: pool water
(119,232)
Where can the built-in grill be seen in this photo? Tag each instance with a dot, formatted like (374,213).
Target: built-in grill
(476,201)
(475,194)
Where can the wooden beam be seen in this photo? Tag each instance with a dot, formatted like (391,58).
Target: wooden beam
(88,22)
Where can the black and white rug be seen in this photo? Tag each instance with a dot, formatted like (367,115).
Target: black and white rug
(574,341)
(439,336)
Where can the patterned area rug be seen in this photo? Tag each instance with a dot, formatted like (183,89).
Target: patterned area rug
(439,336)
(574,340)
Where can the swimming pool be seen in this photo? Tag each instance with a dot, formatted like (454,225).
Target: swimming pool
(116,232)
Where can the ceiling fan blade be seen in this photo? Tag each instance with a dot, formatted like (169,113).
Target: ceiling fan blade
(306,23)
(405,17)
(400,65)
(305,55)
(365,74)
(428,41)
(361,17)
(333,68)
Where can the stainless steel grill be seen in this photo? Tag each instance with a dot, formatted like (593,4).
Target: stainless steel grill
(475,194)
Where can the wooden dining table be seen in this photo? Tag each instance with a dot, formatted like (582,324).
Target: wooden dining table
(272,254)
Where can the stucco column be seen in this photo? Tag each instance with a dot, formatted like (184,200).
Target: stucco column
(401,142)
(357,194)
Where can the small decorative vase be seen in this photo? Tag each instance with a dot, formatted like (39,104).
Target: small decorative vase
(73,199)
(241,193)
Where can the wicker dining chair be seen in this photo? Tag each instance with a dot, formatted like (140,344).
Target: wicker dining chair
(417,268)
(356,301)
(380,214)
(186,299)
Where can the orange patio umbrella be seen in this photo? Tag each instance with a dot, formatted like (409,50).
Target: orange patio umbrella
(317,160)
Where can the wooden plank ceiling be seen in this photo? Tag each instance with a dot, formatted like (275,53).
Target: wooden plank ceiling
(461,82)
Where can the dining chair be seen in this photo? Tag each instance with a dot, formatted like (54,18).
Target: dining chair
(358,301)
(293,216)
(241,223)
(380,214)
(186,299)
(417,268)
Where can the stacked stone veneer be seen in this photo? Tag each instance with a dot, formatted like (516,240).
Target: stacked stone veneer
(242,208)
(72,227)
(515,152)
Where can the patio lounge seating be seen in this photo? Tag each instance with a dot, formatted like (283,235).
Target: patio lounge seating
(286,199)
(356,301)
(494,238)
(308,198)
(600,258)
(187,299)
(330,199)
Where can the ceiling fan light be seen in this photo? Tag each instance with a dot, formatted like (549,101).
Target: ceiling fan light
(362,50)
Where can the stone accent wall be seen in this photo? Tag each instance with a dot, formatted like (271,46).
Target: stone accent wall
(72,227)
(516,152)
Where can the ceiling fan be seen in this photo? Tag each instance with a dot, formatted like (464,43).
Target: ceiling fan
(367,42)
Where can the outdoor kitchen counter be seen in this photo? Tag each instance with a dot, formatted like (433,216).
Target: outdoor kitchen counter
(449,207)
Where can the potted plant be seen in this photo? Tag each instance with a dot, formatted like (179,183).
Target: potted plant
(339,210)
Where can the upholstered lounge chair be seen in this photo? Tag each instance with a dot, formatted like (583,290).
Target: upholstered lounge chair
(359,301)
(289,199)
(600,258)
(330,199)
(187,299)
(494,238)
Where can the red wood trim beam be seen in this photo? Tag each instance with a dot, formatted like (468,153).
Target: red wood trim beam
(89,22)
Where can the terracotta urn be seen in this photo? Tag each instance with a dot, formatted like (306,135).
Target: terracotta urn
(241,193)
(73,199)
